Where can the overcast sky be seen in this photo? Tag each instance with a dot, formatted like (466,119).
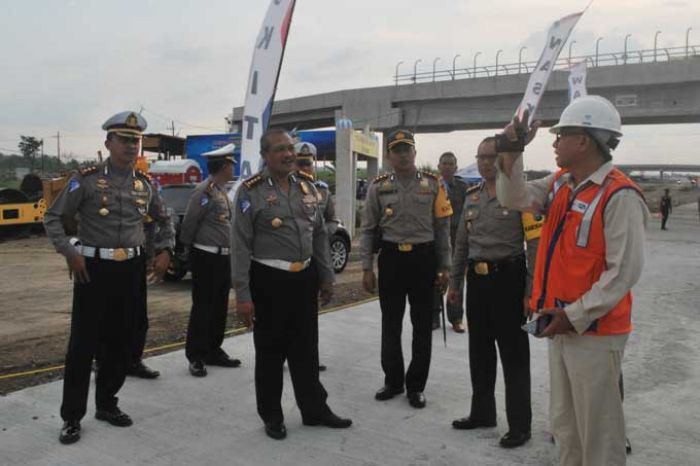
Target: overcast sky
(67,65)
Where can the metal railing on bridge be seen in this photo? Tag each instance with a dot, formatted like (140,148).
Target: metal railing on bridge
(666,54)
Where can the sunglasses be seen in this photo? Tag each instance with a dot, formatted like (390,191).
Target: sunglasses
(486,157)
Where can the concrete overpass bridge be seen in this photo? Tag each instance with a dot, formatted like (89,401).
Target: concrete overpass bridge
(663,87)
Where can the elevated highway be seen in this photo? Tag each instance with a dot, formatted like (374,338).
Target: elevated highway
(645,93)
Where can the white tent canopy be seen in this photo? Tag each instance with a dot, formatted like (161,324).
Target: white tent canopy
(470,174)
(225,150)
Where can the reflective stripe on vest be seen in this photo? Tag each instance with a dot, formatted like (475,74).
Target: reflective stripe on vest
(584,230)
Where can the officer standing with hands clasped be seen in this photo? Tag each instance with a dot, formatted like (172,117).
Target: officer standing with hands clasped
(206,231)
(410,210)
(306,155)
(278,229)
(489,247)
(112,201)
(590,255)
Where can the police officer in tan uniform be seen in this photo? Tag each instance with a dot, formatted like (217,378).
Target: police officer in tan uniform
(277,230)
(306,156)
(111,201)
(206,230)
(410,210)
(489,247)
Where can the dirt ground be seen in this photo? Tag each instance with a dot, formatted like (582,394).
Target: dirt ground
(36,301)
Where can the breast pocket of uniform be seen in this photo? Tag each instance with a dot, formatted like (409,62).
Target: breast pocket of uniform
(471,213)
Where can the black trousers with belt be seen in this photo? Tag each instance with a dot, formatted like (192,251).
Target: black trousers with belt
(401,275)
(286,328)
(102,326)
(494,316)
(211,285)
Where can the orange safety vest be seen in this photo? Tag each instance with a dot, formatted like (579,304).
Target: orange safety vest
(571,253)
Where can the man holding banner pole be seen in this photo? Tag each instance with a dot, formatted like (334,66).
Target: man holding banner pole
(590,255)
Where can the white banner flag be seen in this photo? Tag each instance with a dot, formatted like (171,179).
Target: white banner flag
(577,81)
(262,81)
(556,38)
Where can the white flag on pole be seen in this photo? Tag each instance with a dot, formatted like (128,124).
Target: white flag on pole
(577,81)
(262,81)
(557,35)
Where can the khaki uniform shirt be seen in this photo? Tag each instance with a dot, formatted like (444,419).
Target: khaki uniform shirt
(272,224)
(486,231)
(111,207)
(207,219)
(417,212)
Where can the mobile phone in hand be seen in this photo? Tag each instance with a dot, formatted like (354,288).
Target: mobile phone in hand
(537,326)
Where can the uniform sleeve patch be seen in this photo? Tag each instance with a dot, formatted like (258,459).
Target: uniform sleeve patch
(73,185)
(204,201)
(244,205)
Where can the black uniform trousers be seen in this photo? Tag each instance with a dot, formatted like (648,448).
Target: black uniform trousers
(141,323)
(286,328)
(211,285)
(102,326)
(406,274)
(494,316)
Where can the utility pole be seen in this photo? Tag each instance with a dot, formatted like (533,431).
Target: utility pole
(172,127)
(58,145)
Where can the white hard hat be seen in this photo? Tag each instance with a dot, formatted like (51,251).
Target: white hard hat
(590,111)
(305,149)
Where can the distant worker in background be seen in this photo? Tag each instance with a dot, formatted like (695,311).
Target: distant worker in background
(111,201)
(306,156)
(590,255)
(456,192)
(206,231)
(665,207)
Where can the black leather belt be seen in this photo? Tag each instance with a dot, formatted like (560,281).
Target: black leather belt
(406,247)
(486,267)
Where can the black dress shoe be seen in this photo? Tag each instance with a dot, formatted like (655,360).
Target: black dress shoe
(514,438)
(322,367)
(222,360)
(387,393)
(139,369)
(197,369)
(468,423)
(416,399)
(114,416)
(275,430)
(70,433)
(329,420)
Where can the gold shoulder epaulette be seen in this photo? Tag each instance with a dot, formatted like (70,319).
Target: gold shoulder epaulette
(305,175)
(473,189)
(88,170)
(380,178)
(210,187)
(429,174)
(144,175)
(253,181)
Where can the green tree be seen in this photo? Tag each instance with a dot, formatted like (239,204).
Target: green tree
(29,146)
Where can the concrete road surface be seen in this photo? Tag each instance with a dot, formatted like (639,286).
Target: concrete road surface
(183,420)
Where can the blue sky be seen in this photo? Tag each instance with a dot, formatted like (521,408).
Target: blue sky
(70,64)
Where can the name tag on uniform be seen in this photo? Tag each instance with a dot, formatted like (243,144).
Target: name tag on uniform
(579,206)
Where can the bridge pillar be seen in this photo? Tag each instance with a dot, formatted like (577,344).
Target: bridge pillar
(345,178)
